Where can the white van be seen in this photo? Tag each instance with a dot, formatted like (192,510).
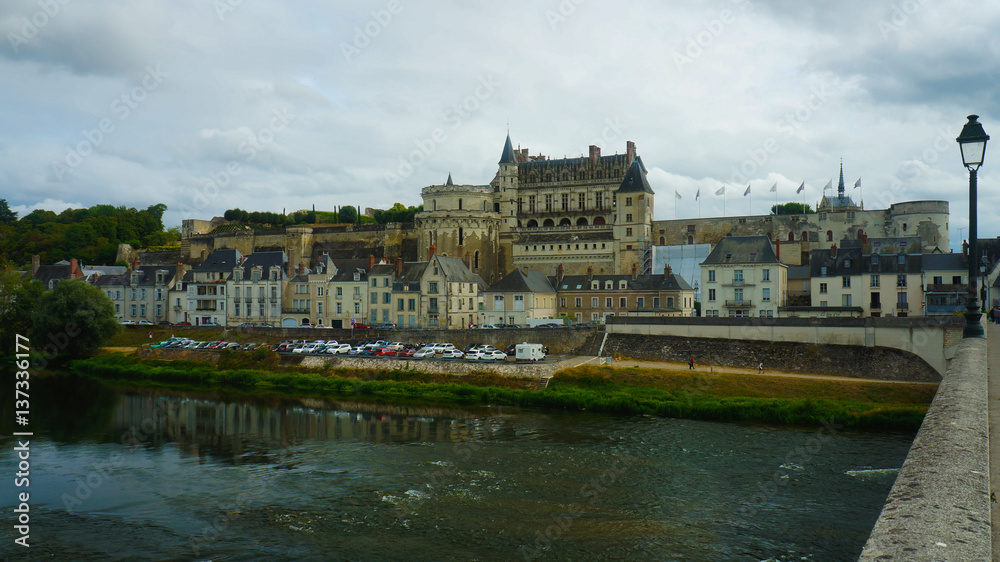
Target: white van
(528,352)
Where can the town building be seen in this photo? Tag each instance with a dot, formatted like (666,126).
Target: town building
(594,297)
(349,292)
(204,289)
(441,292)
(743,276)
(519,298)
(255,289)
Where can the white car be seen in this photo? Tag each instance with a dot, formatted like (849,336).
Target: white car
(423,353)
(476,355)
(442,347)
(338,349)
(496,355)
(488,327)
(452,354)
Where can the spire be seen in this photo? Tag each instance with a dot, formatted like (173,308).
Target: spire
(840,186)
(508,152)
(635,178)
(452,183)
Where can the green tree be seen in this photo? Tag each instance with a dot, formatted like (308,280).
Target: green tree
(71,320)
(791,209)
(18,297)
(7,216)
(348,214)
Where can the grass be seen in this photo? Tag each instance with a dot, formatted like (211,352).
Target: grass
(597,389)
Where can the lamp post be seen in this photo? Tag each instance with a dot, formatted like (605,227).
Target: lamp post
(972,143)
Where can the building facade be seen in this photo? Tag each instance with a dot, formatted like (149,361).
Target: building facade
(743,277)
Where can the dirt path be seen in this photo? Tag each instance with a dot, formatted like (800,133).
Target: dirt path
(737,370)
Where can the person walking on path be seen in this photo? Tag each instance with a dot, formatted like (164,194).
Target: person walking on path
(690,363)
(760,368)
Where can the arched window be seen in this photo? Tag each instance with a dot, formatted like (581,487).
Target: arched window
(598,221)
(662,241)
(861,234)
(565,222)
(582,221)
(519,223)
(476,260)
(459,204)
(805,236)
(690,239)
(549,222)
(829,236)
(461,236)
(791,237)
(532,223)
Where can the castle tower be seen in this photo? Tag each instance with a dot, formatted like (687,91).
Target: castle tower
(505,187)
(633,216)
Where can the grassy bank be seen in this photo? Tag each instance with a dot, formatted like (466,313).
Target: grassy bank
(702,396)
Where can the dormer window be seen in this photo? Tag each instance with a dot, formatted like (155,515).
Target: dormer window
(237,275)
(622,284)
(608,285)
(357,276)
(901,260)
(874,259)
(847,263)
(822,270)
(594,285)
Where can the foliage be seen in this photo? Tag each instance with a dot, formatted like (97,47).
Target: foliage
(792,208)
(92,235)
(72,319)
(398,213)
(18,297)
(348,214)
(7,216)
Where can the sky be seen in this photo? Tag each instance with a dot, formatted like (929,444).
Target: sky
(207,105)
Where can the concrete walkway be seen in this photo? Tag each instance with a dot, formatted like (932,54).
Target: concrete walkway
(993,384)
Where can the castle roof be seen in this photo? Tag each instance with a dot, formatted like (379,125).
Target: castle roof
(508,153)
(635,179)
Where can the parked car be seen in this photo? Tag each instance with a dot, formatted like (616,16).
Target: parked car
(423,353)
(510,350)
(487,327)
(144,323)
(362,327)
(182,324)
(163,323)
(338,349)
(452,354)
(406,352)
(386,326)
(127,322)
(496,355)
(476,355)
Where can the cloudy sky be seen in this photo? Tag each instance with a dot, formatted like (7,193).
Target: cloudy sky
(208,105)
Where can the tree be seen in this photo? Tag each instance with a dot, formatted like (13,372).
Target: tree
(791,209)
(18,296)
(7,216)
(72,319)
(348,214)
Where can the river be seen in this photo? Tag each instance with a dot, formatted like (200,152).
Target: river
(138,473)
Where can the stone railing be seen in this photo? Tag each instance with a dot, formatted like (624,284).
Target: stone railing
(939,507)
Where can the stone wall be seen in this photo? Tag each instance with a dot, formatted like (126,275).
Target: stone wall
(508,368)
(881,363)
(939,507)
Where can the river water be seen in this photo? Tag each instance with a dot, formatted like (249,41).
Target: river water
(127,473)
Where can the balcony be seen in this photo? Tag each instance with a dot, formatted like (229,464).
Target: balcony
(947,288)
(902,306)
(177,307)
(738,283)
(875,306)
(247,300)
(272,300)
(294,310)
(739,304)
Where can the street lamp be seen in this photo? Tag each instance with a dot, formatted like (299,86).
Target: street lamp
(972,142)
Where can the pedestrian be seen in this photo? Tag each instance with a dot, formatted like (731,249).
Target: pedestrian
(150,335)
(760,368)
(690,363)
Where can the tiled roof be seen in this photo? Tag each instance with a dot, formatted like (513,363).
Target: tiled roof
(742,250)
(220,260)
(523,281)
(635,179)
(650,282)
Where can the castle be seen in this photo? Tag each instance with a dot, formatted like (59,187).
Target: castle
(593,213)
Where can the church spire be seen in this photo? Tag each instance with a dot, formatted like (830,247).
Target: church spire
(508,152)
(449,179)
(840,186)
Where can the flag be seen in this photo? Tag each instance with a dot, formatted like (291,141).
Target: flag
(828,185)
(721,190)
(677,194)
(697,194)
(747,192)
(801,188)
(774,188)
(857,184)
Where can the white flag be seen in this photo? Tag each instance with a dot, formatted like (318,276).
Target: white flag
(828,185)
(857,184)
(747,192)
(697,194)
(774,188)
(801,188)
(721,190)
(677,194)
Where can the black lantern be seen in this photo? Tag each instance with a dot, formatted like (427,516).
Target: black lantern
(972,142)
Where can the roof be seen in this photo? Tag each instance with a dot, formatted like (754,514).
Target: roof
(264,260)
(649,282)
(845,261)
(635,179)
(347,268)
(147,274)
(523,281)
(798,272)
(508,153)
(47,273)
(945,262)
(455,270)
(742,250)
(220,260)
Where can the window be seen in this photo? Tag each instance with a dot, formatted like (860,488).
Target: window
(829,236)
(374,282)
(628,201)
(548,202)
(874,259)
(766,295)
(738,295)
(385,282)
(607,302)
(357,308)
(623,302)
(822,270)
(340,308)
(319,308)
(578,302)
(340,291)
(599,200)
(432,287)
(411,304)
(823,303)
(518,302)
(846,281)
(399,304)
(938,280)
(711,275)
(845,300)
(565,201)
(875,281)
(319,291)
(531,203)
(901,280)
(374,298)
(640,302)
(236,308)
(737,277)
(711,294)
(656,302)
(628,217)
(562,302)
(901,259)
(581,199)
(593,302)
(432,304)
(628,231)
(386,298)
(822,288)
(623,284)
(765,275)
(956,280)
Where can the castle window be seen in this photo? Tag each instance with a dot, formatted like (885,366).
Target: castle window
(618,173)
(434,203)
(904,227)
(599,201)
(565,176)
(829,236)
(531,204)
(600,174)
(548,222)
(690,240)
(461,235)
(581,200)
(805,236)
(628,201)
(565,201)
(532,223)
(577,246)
(548,202)
(628,217)
(520,205)
(459,204)
(476,260)
(791,237)
(548,177)
(628,231)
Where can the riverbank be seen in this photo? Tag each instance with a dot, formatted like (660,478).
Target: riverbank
(692,395)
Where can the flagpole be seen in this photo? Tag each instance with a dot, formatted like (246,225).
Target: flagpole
(750,214)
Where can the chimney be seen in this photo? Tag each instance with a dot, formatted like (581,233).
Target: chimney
(635,271)
(180,272)
(135,264)
(468,260)
(371,261)
(559,273)
(399,266)
(667,271)
(590,272)
(432,250)
(833,250)
(595,154)
(204,254)
(629,151)
(36,262)
(777,248)
(301,269)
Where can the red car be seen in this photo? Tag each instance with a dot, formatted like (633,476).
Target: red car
(182,324)
(385,352)
(362,327)
(406,353)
